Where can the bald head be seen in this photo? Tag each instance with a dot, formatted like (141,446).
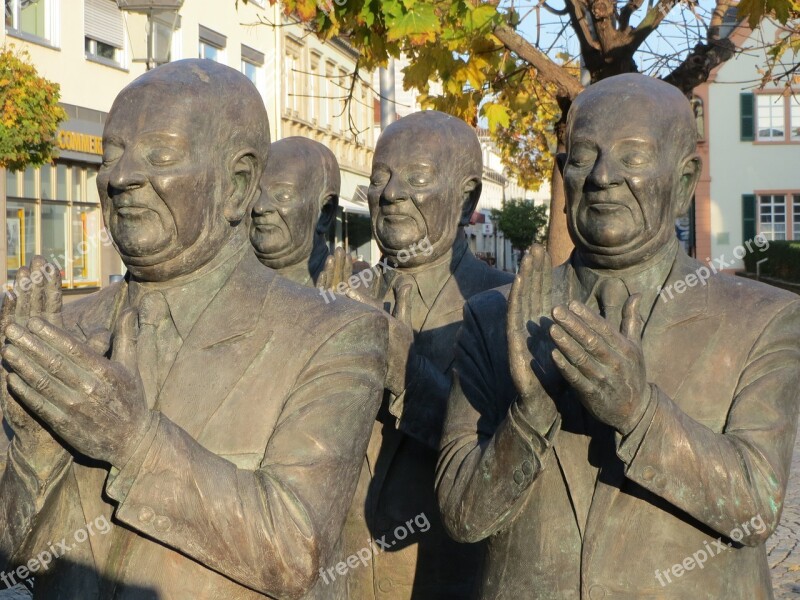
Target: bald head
(433,129)
(630,169)
(184,148)
(426,181)
(640,98)
(320,169)
(226,102)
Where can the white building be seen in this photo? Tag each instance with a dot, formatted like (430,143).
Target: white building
(751,151)
(86,46)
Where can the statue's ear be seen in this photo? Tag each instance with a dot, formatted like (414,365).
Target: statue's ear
(470,193)
(245,185)
(691,168)
(327,213)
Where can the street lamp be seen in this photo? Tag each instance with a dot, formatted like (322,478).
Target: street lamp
(162,20)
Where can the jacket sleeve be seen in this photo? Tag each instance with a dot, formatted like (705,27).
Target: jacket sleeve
(271,529)
(490,454)
(729,478)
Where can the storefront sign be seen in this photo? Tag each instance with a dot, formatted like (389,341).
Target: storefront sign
(80,142)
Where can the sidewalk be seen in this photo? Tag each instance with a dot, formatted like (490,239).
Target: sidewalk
(783,548)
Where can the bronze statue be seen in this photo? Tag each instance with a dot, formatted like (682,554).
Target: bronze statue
(426,182)
(298,202)
(223,431)
(613,456)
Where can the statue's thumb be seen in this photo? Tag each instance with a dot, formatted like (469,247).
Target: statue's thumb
(126,332)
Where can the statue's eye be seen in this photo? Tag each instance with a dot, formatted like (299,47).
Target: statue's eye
(162,156)
(283,197)
(581,159)
(379,178)
(635,159)
(419,179)
(111,153)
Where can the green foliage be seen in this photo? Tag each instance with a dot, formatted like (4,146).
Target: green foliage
(783,261)
(452,42)
(521,222)
(29,113)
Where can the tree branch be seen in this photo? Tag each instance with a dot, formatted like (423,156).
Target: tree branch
(627,11)
(697,66)
(567,86)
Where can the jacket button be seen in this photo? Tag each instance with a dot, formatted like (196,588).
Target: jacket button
(527,467)
(648,473)
(385,585)
(162,524)
(146,514)
(597,592)
(519,477)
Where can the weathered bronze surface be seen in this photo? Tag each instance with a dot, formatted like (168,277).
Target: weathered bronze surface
(602,456)
(222,426)
(426,181)
(297,206)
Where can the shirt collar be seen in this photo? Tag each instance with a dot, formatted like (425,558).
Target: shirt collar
(431,278)
(188,296)
(645,280)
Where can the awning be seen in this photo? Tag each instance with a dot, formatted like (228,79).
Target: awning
(353,207)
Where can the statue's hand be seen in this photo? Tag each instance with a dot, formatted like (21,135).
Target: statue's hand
(94,404)
(604,366)
(528,343)
(36,293)
(337,270)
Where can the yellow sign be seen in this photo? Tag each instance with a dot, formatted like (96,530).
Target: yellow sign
(80,142)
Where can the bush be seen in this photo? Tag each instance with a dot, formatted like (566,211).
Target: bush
(783,261)
(29,113)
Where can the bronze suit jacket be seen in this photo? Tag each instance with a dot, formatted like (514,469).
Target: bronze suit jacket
(397,480)
(714,454)
(241,491)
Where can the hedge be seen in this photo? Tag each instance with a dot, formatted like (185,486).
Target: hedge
(783,261)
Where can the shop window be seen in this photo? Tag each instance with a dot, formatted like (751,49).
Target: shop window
(20,235)
(59,217)
(54,235)
(85,246)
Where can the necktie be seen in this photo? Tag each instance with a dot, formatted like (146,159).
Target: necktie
(611,295)
(418,308)
(157,345)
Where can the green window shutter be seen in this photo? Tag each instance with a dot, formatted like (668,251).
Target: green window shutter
(748,217)
(747,129)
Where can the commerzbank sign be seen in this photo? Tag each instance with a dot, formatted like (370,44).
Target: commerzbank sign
(80,142)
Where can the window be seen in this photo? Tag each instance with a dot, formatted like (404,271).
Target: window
(771,117)
(776,118)
(292,72)
(54,211)
(103,31)
(326,102)
(313,88)
(34,18)
(252,65)
(772,217)
(212,45)
(796,216)
(342,109)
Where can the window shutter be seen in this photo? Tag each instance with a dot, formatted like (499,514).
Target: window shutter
(748,217)
(747,103)
(103,22)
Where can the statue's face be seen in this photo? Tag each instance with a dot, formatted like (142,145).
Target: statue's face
(413,194)
(620,179)
(160,182)
(286,214)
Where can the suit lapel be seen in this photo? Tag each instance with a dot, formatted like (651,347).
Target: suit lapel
(571,447)
(672,348)
(222,344)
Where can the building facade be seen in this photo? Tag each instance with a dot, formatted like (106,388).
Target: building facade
(750,147)
(93,50)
